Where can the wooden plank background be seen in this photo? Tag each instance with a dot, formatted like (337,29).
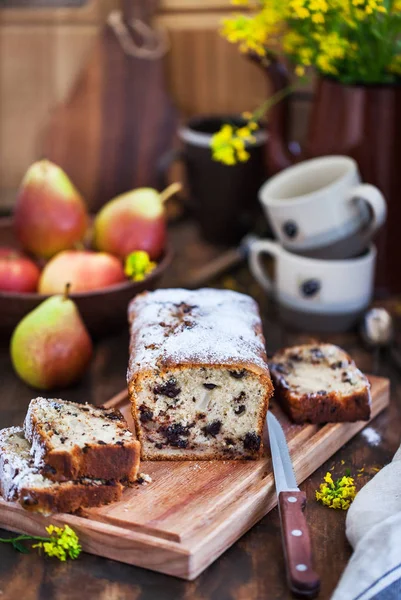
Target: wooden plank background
(43,49)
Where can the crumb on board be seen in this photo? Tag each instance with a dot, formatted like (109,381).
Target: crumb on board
(144,478)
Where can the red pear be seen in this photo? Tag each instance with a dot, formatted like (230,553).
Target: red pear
(84,270)
(133,221)
(17,272)
(50,214)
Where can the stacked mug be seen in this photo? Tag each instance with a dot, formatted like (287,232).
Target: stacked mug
(324,220)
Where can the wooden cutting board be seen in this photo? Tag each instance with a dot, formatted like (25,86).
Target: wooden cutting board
(118,121)
(192,512)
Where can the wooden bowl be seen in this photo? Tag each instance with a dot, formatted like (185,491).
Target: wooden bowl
(104,311)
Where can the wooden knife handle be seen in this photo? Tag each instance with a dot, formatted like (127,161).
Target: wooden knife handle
(302,579)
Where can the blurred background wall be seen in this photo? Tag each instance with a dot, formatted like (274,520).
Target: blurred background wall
(43,50)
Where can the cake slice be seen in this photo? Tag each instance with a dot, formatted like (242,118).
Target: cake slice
(72,441)
(320,383)
(198,377)
(21,481)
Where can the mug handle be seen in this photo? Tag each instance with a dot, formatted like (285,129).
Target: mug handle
(375,199)
(257,248)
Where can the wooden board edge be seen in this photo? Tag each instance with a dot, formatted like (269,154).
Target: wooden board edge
(105,540)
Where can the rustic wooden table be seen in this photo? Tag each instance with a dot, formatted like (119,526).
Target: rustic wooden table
(253,568)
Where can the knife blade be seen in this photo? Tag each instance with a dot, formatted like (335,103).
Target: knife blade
(301,577)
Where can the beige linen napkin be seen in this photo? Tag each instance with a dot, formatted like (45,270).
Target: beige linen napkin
(373,528)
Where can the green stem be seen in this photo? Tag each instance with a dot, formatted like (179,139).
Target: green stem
(271,101)
(20,538)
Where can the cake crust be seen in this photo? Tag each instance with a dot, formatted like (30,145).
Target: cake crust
(69,497)
(203,332)
(337,392)
(21,481)
(50,425)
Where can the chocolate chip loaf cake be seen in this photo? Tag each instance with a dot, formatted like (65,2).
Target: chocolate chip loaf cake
(21,481)
(71,441)
(320,383)
(198,377)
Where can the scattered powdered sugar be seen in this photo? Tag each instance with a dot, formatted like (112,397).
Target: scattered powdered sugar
(371,436)
(206,326)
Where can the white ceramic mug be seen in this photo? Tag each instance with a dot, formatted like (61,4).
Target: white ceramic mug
(319,208)
(315,294)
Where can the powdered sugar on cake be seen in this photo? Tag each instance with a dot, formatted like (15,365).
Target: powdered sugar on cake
(214,326)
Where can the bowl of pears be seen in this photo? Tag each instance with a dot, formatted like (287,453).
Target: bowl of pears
(51,246)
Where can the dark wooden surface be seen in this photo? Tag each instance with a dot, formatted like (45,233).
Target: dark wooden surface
(253,568)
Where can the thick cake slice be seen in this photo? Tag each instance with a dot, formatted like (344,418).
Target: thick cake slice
(320,383)
(198,377)
(20,481)
(71,441)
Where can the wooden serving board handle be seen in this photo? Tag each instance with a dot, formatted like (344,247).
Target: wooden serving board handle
(302,579)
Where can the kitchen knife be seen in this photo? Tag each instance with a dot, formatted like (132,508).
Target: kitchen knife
(301,577)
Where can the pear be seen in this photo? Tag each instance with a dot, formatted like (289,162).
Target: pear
(133,221)
(51,347)
(50,214)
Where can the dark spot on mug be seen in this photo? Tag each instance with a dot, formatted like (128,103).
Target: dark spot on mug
(290,228)
(310,287)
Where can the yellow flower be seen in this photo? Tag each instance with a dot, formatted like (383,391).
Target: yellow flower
(63,543)
(138,265)
(299,70)
(299,9)
(336,494)
(367,8)
(243,155)
(318,5)
(318,18)
(229,144)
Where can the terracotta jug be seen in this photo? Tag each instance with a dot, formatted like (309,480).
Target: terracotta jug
(360,121)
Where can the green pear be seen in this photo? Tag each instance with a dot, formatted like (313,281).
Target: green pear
(51,347)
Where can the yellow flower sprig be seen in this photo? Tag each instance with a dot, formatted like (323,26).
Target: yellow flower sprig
(138,265)
(62,542)
(230,144)
(336,494)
